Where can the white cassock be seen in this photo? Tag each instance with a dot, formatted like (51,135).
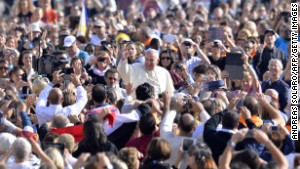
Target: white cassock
(137,74)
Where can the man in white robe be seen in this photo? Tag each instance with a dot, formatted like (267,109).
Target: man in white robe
(149,72)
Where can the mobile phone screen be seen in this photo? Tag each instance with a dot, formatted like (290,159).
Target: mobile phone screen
(187,143)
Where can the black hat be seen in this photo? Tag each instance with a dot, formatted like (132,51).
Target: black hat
(271,31)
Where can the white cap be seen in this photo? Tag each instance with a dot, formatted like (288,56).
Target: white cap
(34,27)
(99,23)
(69,40)
(187,40)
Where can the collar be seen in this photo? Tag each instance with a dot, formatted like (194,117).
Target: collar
(227,131)
(102,105)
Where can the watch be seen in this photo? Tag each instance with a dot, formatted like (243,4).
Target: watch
(231,143)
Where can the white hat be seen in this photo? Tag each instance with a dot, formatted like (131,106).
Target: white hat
(69,40)
(35,27)
(187,40)
(99,23)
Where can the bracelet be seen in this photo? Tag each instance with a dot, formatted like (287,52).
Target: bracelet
(231,143)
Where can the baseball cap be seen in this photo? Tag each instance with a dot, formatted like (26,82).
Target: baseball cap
(270,31)
(99,23)
(69,40)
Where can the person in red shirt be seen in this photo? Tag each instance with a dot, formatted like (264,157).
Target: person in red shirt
(49,15)
(148,128)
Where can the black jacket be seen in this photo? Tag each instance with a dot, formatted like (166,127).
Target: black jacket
(261,60)
(216,140)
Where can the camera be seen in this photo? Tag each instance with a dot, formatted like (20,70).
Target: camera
(68,70)
(51,63)
(215,44)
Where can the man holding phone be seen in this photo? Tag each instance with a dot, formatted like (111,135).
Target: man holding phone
(55,97)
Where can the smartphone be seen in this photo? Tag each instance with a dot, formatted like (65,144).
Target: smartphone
(169,38)
(187,143)
(274,128)
(68,70)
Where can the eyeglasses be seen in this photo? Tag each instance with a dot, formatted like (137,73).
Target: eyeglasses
(112,78)
(165,58)
(101,59)
(188,44)
(4,68)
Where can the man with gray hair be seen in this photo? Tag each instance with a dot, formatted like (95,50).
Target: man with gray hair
(148,72)
(21,151)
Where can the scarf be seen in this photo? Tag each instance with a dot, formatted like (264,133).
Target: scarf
(98,72)
(255,119)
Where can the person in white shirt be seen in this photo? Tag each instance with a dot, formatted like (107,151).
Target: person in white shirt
(55,97)
(21,151)
(149,72)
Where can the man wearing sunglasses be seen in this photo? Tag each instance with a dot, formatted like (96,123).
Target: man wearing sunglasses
(111,78)
(188,48)
(73,50)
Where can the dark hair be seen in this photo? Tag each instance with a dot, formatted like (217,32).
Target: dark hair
(158,149)
(16,69)
(200,69)
(75,59)
(171,53)
(230,119)
(111,70)
(144,91)
(248,157)
(98,93)
(154,44)
(209,106)
(185,123)
(203,156)
(94,134)
(275,137)
(147,124)
(252,104)
(239,165)
(111,96)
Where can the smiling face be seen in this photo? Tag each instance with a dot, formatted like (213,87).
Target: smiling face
(151,60)
(275,68)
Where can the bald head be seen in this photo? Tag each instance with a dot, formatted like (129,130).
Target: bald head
(187,123)
(60,121)
(55,96)
(272,93)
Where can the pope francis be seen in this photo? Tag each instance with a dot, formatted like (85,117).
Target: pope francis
(149,72)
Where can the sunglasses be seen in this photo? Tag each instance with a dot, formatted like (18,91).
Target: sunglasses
(4,68)
(189,44)
(165,58)
(97,27)
(101,59)
(112,78)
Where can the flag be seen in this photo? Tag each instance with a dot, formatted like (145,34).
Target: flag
(83,24)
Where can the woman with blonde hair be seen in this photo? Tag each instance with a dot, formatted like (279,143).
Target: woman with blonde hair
(24,10)
(130,156)
(56,157)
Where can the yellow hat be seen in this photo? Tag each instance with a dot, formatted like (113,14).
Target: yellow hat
(122,36)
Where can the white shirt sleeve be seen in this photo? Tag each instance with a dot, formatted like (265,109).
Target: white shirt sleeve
(167,125)
(79,104)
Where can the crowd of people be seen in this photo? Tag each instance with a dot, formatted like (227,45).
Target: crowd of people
(190,84)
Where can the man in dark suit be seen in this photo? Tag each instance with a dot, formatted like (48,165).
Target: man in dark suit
(217,140)
(261,59)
